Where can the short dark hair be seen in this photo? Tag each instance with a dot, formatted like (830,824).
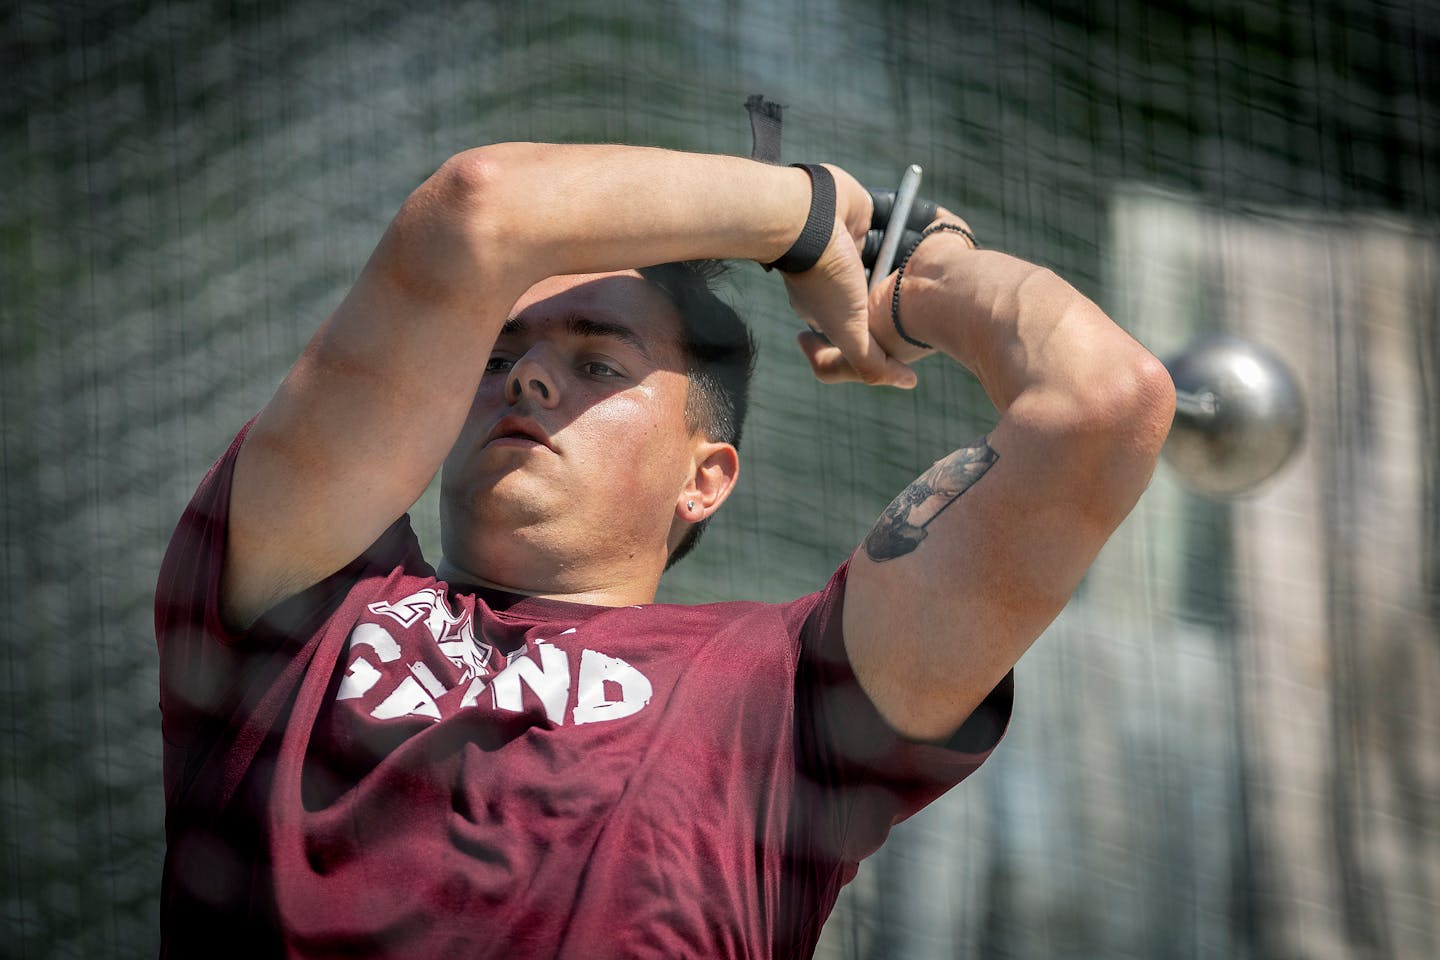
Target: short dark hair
(719,359)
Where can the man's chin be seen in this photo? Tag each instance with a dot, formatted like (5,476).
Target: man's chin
(513,504)
(513,487)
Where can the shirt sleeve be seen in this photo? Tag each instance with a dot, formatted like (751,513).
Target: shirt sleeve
(863,776)
(210,675)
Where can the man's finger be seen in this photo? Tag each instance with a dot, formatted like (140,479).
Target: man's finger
(826,362)
(876,367)
(863,352)
(900,374)
(831,366)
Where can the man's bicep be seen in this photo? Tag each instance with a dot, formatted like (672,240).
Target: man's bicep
(964,569)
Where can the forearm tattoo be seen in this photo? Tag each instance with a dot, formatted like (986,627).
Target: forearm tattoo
(902,526)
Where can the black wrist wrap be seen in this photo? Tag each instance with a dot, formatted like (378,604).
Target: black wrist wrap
(805,252)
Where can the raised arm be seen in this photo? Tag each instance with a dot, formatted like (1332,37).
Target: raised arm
(369,411)
(976,557)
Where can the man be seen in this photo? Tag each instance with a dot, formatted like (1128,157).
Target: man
(523,756)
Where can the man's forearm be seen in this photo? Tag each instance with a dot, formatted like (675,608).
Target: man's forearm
(497,219)
(1056,367)
(515,213)
(1017,326)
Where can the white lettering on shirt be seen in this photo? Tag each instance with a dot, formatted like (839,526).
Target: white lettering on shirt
(598,669)
(408,699)
(362,674)
(607,688)
(549,679)
(412,609)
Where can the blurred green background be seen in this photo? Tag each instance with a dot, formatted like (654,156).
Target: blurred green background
(1229,744)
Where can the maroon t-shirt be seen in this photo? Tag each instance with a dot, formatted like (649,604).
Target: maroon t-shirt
(389,765)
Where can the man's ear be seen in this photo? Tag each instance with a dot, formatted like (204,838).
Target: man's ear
(717,465)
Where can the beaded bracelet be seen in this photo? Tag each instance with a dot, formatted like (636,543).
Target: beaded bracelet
(934,228)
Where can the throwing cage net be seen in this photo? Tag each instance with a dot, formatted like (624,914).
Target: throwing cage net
(1228,745)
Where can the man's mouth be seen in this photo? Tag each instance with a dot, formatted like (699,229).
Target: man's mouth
(517,431)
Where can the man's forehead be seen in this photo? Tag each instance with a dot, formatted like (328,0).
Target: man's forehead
(621,292)
(599,304)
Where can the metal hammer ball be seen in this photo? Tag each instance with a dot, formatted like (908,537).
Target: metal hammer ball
(1239,416)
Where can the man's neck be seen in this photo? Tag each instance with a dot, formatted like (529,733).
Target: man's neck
(621,593)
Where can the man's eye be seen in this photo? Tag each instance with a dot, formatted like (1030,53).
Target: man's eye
(498,364)
(595,368)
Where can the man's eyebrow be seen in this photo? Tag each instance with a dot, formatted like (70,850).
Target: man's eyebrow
(581,325)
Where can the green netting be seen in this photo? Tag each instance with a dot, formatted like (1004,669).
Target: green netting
(1228,746)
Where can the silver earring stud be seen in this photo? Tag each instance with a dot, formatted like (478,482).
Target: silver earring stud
(689,504)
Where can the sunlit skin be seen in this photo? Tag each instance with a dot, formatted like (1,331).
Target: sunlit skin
(575,472)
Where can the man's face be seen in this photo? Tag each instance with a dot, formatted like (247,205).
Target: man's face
(575,451)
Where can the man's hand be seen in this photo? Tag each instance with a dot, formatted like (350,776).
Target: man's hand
(832,298)
(832,365)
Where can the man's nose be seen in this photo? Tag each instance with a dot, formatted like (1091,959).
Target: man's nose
(531,379)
